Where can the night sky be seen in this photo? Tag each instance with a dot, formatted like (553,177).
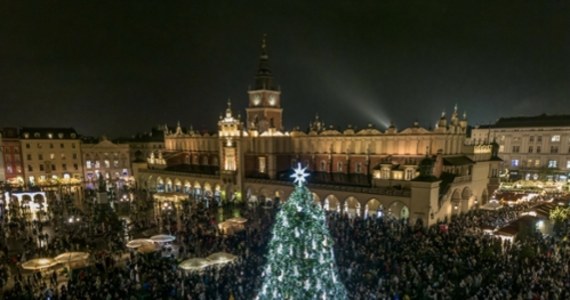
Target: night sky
(121,67)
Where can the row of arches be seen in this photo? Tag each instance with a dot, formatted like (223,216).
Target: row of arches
(350,206)
(177,185)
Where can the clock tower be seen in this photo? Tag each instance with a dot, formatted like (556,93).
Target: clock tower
(264,111)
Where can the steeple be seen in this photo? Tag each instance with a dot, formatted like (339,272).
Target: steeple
(263,78)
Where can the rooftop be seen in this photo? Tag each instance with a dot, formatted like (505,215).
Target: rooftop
(543,120)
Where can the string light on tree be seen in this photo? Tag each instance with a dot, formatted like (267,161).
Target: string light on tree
(302,249)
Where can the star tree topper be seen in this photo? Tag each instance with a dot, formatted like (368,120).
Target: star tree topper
(300,175)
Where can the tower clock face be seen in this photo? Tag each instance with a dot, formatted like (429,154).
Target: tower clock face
(256,100)
(272,100)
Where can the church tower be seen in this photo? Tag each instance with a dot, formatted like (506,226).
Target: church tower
(264,111)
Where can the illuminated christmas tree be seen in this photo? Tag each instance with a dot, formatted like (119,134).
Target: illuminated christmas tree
(300,262)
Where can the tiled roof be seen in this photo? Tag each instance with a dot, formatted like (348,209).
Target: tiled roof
(48,133)
(534,121)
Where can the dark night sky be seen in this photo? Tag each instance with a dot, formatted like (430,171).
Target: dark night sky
(120,67)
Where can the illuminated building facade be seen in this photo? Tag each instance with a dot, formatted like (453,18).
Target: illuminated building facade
(107,159)
(532,148)
(11,158)
(416,174)
(51,156)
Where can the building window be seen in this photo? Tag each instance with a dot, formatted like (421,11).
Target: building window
(42,168)
(40,156)
(30,169)
(537,149)
(75,167)
(323,165)
(552,163)
(539,139)
(385,174)
(29,157)
(501,148)
(53,167)
(262,160)
(516,149)
(9,169)
(107,164)
(74,155)
(27,145)
(358,168)
(64,167)
(51,155)
(409,175)
(555,138)
(537,163)
(39,145)
(88,164)
(51,146)
(97,165)
(531,139)
(63,156)
(568,164)
(61,145)
(515,162)
(529,163)
(339,166)
(530,149)
(115,163)
(553,149)
(73,145)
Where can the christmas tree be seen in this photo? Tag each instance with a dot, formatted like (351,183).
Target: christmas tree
(300,262)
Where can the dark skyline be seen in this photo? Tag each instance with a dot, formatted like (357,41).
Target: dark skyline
(121,67)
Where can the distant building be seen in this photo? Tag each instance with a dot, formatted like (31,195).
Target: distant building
(415,174)
(536,147)
(107,159)
(51,156)
(11,170)
(142,145)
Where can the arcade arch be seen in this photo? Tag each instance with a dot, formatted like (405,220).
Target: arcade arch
(352,207)
(373,208)
(331,203)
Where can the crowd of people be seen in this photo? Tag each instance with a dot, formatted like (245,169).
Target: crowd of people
(377,258)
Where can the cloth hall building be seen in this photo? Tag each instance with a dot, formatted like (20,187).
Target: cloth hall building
(415,174)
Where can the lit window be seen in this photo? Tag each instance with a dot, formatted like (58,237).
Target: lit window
(107,164)
(552,163)
(568,164)
(116,163)
(555,138)
(9,168)
(339,166)
(515,162)
(537,163)
(88,164)
(51,156)
(262,164)
(97,165)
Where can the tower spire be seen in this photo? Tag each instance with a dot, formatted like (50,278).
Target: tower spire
(264,78)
